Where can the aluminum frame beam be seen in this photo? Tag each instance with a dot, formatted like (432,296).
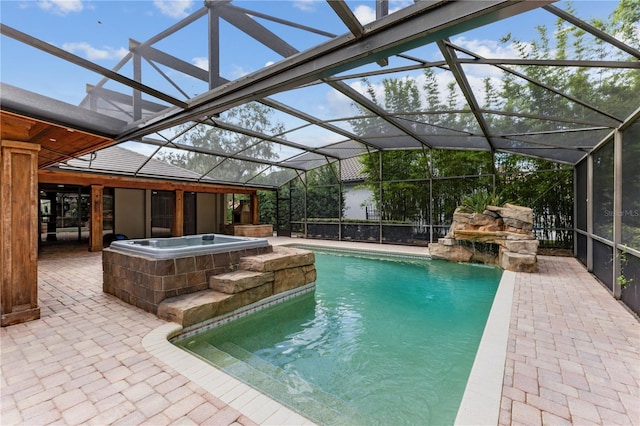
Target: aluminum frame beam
(461,78)
(540,84)
(413,26)
(77,60)
(348,18)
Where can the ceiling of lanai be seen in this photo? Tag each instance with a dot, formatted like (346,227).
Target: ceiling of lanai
(308,72)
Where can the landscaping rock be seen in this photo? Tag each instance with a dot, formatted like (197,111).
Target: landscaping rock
(518,262)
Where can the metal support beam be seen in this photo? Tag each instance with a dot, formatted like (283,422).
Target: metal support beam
(249,26)
(76,60)
(617,209)
(540,84)
(214,49)
(413,26)
(382,8)
(348,18)
(458,73)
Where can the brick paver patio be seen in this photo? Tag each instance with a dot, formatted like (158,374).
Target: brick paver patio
(83,361)
(573,356)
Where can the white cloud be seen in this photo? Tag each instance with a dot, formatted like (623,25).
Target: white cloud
(174,8)
(305,5)
(238,71)
(269,63)
(365,14)
(201,62)
(92,53)
(61,7)
(488,48)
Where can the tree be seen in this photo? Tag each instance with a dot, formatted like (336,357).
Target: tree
(267,207)
(252,116)
(324,196)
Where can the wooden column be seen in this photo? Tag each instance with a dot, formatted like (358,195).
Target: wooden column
(255,212)
(18,232)
(95,230)
(178,214)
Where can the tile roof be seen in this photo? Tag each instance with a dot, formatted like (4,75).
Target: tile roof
(351,170)
(118,160)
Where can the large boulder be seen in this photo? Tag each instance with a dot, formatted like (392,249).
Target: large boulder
(518,262)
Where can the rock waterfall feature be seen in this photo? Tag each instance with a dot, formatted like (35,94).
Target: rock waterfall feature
(501,236)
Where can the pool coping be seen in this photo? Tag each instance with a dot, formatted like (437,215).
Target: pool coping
(483,393)
(480,402)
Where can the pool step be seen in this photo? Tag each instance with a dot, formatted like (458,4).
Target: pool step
(256,278)
(286,388)
(280,258)
(194,308)
(238,281)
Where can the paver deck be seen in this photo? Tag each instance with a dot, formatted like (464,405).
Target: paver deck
(573,356)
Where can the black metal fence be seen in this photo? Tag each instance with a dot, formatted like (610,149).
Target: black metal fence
(422,210)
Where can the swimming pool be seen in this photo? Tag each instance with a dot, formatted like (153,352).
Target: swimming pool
(383,340)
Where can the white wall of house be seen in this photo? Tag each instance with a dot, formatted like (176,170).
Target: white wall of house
(354,198)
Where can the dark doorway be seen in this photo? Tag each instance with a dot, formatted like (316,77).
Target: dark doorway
(64,213)
(189,208)
(163,204)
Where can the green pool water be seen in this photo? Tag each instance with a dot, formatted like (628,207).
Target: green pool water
(383,340)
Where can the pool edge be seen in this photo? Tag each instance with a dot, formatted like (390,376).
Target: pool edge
(483,393)
(251,403)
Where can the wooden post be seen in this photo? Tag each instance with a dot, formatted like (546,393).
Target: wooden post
(178,214)
(18,232)
(255,212)
(95,231)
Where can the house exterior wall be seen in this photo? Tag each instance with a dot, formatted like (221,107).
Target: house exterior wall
(207,220)
(129,212)
(354,197)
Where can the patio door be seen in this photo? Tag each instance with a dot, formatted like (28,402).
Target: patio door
(64,213)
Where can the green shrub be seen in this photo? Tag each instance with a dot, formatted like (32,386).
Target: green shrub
(479,200)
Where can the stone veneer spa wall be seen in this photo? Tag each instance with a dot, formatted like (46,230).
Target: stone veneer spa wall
(145,282)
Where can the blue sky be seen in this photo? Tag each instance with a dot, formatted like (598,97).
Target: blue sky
(100,30)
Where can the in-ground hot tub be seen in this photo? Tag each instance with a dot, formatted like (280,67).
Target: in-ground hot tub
(191,245)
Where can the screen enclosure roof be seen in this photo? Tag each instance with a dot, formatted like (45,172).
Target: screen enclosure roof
(259,92)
